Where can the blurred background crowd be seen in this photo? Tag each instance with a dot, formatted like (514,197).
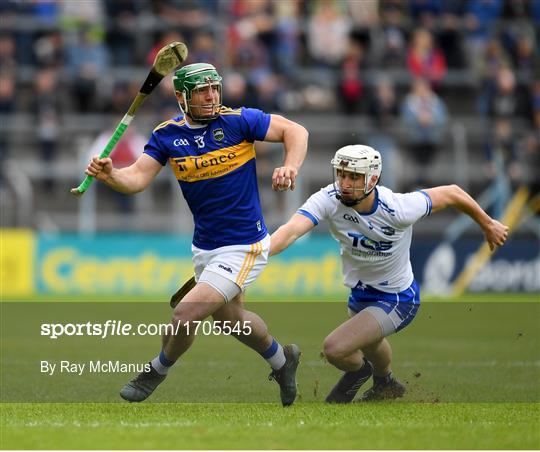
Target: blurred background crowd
(447,90)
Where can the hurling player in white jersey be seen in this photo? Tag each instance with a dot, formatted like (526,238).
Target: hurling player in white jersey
(210,149)
(374,227)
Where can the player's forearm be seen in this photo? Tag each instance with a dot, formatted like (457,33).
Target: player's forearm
(125,180)
(281,240)
(295,141)
(462,201)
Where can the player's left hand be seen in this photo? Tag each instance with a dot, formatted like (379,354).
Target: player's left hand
(496,234)
(284,178)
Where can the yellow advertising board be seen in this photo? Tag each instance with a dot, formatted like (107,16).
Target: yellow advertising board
(17,256)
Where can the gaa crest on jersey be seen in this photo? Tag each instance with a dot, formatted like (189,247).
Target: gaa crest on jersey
(218,134)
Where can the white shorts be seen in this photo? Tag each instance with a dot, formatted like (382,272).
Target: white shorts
(241,264)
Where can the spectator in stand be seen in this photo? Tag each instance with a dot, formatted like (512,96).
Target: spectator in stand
(425,12)
(480,19)
(424,59)
(502,167)
(494,58)
(507,100)
(535,102)
(203,48)
(120,38)
(165,38)
(166,107)
(268,91)
(424,114)
(236,91)
(526,62)
(75,14)
(251,38)
(383,106)
(450,36)
(49,50)
(287,46)
(351,86)
(7,92)
(487,68)
(365,14)
(8,60)
(384,109)
(7,105)
(529,155)
(516,16)
(47,109)
(328,30)
(186,13)
(391,46)
(87,61)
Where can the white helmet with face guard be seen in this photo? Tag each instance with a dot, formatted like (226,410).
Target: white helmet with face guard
(358,159)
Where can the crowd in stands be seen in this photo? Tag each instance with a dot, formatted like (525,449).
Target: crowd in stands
(396,61)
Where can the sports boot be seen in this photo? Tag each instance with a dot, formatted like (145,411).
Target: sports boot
(142,385)
(349,384)
(286,376)
(384,389)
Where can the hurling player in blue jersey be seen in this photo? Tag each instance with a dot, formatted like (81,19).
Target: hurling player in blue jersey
(374,228)
(210,149)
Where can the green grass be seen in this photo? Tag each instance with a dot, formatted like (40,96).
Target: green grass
(262,426)
(472,371)
(337,297)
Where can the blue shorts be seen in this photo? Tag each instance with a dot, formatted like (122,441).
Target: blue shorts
(393,311)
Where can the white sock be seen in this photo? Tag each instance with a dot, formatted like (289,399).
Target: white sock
(162,364)
(274,355)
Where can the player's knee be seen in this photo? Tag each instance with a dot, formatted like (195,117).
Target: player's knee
(333,352)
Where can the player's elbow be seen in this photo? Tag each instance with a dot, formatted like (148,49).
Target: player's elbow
(298,131)
(454,194)
(302,131)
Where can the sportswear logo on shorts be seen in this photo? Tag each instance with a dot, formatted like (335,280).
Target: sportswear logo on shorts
(227,269)
(218,134)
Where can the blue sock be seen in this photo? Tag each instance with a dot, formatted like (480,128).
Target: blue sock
(162,364)
(274,355)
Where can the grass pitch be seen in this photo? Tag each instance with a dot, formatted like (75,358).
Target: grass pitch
(472,371)
(268,426)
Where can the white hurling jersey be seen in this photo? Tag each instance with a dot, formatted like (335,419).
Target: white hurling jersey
(374,245)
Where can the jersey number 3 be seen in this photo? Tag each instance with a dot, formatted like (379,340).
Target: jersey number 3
(200,141)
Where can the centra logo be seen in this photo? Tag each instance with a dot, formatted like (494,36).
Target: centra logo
(351,218)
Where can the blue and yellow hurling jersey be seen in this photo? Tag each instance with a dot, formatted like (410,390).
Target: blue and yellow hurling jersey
(215,168)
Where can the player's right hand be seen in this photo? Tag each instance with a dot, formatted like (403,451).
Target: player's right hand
(99,168)
(496,234)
